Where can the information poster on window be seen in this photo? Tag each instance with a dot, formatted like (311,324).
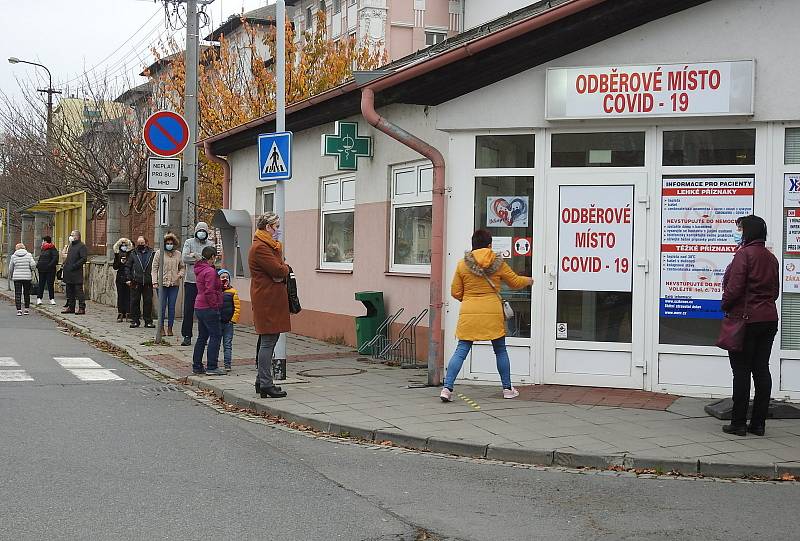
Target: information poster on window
(791,190)
(507,211)
(502,245)
(792,232)
(595,238)
(791,275)
(698,222)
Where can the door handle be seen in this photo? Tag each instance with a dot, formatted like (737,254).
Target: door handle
(551,276)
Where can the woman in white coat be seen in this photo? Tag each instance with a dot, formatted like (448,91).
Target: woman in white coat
(21,267)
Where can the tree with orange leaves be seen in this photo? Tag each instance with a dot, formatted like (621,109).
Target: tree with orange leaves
(237,83)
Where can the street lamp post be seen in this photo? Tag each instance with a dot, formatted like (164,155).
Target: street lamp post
(49,91)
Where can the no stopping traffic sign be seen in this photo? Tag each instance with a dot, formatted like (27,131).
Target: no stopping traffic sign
(166,133)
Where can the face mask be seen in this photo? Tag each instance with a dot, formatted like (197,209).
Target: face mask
(71,238)
(141,247)
(737,237)
(201,235)
(169,247)
(123,248)
(277,234)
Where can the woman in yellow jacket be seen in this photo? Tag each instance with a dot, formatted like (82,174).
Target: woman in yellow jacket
(476,285)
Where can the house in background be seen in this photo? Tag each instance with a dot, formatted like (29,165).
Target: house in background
(401,26)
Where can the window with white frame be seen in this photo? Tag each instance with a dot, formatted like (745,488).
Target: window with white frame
(411,223)
(337,6)
(309,17)
(337,229)
(265,201)
(433,38)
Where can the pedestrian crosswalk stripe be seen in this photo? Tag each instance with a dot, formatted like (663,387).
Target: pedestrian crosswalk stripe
(95,374)
(8,361)
(76,362)
(14,375)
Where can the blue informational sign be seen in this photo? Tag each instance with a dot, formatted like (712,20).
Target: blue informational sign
(275,156)
(688,308)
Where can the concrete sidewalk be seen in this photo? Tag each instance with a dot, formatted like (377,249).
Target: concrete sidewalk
(333,389)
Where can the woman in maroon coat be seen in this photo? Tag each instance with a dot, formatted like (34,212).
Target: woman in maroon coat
(750,288)
(268,297)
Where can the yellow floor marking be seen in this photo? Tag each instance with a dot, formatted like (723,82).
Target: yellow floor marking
(474,405)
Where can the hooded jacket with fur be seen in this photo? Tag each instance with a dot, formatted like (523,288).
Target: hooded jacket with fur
(481,314)
(174,267)
(121,260)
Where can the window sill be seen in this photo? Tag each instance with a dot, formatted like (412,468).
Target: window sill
(335,271)
(408,274)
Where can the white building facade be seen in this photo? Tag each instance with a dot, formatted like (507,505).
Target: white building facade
(611,174)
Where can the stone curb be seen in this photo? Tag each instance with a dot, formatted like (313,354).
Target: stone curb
(707,467)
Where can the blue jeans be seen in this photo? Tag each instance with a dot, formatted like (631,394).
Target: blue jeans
(462,350)
(168,302)
(209,329)
(227,342)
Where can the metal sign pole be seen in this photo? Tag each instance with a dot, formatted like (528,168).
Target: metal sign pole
(8,241)
(280,126)
(163,209)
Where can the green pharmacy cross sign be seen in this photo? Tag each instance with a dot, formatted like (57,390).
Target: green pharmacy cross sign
(347,146)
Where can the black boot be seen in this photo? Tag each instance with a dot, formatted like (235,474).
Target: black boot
(134,324)
(258,387)
(120,317)
(756,429)
(737,430)
(272,392)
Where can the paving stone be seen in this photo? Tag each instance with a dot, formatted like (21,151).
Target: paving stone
(574,459)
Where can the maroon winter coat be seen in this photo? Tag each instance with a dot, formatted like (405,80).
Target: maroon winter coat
(752,283)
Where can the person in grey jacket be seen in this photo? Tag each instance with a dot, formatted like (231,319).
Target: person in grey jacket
(20,268)
(192,250)
(73,274)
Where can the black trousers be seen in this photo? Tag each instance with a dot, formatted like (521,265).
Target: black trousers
(189,296)
(123,298)
(142,303)
(47,282)
(753,360)
(22,287)
(75,292)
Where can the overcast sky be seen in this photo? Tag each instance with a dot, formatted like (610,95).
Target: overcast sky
(100,36)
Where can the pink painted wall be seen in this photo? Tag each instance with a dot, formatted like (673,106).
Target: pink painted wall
(402,43)
(334,292)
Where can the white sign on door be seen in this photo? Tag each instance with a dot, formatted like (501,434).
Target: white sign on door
(711,88)
(595,238)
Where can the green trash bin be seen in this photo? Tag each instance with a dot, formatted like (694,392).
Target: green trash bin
(367,325)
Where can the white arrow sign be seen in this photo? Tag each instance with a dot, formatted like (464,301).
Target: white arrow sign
(163,209)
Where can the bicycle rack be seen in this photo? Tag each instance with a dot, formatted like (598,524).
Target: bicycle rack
(382,336)
(404,349)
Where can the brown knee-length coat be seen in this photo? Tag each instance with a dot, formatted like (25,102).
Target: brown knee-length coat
(268,294)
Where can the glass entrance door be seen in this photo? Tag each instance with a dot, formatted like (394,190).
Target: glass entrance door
(594,279)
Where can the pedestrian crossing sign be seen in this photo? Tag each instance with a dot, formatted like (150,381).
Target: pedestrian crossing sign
(275,156)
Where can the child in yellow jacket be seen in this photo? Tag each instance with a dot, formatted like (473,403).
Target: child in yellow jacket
(229,314)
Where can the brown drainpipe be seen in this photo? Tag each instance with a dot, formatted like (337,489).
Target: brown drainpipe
(226,174)
(435,350)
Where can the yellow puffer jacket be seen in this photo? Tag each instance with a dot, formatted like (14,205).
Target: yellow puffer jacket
(481,316)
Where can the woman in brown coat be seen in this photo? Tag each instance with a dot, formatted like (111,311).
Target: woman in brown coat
(269,297)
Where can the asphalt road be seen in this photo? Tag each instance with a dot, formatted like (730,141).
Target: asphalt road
(130,458)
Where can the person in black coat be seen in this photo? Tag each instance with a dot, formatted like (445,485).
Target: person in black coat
(139,273)
(122,253)
(46,266)
(73,274)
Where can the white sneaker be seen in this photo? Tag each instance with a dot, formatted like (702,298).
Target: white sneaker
(510,393)
(446,395)
(53,302)
(19,312)
(38,302)
(26,312)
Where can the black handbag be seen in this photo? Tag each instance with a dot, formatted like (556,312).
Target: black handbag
(291,288)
